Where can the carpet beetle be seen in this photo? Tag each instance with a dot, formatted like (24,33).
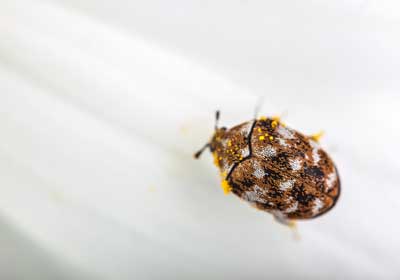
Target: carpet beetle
(275,168)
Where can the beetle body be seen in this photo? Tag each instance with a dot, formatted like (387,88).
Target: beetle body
(276,169)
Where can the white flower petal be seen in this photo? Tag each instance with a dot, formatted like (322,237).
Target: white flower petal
(102,107)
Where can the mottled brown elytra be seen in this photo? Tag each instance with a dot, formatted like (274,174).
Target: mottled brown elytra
(275,168)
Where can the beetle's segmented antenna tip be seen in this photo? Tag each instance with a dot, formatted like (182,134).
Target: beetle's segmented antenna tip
(199,152)
(260,102)
(216,118)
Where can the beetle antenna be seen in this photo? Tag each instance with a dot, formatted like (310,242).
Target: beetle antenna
(199,152)
(207,145)
(260,101)
(216,119)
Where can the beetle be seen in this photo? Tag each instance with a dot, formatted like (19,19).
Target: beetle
(275,168)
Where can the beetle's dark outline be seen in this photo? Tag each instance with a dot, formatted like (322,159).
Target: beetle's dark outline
(335,199)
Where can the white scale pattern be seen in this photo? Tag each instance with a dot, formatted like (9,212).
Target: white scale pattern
(287,185)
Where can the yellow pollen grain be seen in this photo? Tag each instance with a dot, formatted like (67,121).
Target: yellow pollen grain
(276,118)
(262,137)
(266,134)
(216,161)
(263,118)
(274,124)
(271,138)
(225,186)
(259,130)
(229,143)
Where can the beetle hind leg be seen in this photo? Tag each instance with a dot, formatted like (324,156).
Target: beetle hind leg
(280,218)
(317,136)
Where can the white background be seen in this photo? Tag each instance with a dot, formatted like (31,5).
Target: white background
(102,104)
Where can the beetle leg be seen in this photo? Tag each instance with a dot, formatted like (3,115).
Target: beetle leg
(317,136)
(279,217)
